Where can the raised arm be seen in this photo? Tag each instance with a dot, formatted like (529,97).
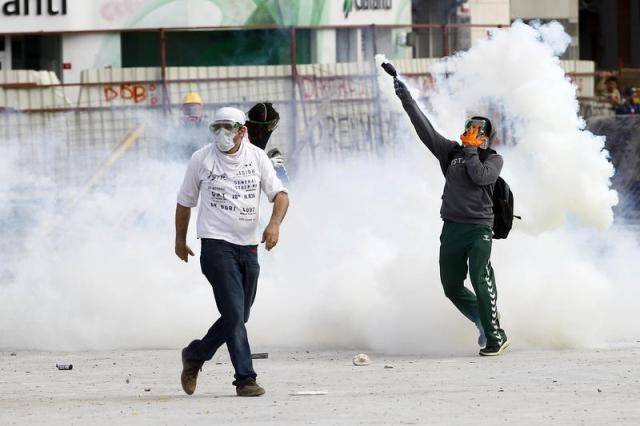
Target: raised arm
(437,144)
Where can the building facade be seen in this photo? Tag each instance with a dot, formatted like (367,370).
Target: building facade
(68,36)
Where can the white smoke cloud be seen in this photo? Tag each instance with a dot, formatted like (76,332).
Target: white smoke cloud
(556,168)
(357,265)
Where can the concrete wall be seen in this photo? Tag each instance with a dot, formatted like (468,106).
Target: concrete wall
(141,86)
(334,111)
(21,90)
(544,9)
(74,54)
(488,12)
(87,51)
(564,11)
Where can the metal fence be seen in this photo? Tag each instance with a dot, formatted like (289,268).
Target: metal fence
(329,110)
(321,115)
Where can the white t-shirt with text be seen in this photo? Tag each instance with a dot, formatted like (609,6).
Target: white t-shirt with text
(229,189)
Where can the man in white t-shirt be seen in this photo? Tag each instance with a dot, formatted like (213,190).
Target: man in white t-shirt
(228,176)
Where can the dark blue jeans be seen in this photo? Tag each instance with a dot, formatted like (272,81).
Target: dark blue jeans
(233,273)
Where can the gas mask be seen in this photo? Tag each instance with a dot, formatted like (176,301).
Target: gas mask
(483,131)
(260,131)
(192,112)
(223,139)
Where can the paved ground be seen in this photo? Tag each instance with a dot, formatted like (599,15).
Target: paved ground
(142,387)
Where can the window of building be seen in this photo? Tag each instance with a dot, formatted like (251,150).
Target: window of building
(215,48)
(35,52)
(2,57)
(354,44)
(346,45)
(382,43)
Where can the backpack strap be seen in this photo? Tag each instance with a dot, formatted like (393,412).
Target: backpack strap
(485,153)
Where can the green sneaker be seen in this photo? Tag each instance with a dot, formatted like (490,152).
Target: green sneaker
(248,387)
(495,350)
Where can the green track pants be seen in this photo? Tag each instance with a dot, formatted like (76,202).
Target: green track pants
(461,243)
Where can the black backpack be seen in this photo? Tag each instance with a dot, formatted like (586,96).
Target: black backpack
(502,198)
(502,209)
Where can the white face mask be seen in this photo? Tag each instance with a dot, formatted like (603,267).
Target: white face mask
(224,139)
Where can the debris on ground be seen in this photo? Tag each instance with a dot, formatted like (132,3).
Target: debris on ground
(388,366)
(260,355)
(361,359)
(308,393)
(64,366)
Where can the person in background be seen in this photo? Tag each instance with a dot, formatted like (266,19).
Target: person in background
(607,90)
(633,96)
(630,103)
(192,109)
(228,177)
(192,132)
(262,120)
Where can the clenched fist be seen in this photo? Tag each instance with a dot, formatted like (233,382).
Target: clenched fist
(401,90)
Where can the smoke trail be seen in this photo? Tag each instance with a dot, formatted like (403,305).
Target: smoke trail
(556,167)
(365,271)
(357,262)
(95,269)
(382,286)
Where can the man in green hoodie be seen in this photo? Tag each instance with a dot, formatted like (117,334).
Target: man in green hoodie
(470,174)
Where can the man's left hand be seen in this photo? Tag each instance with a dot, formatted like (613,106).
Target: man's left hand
(470,137)
(270,236)
(277,160)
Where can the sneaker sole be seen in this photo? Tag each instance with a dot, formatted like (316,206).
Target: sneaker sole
(249,395)
(504,347)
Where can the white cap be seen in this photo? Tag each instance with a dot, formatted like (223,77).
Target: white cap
(230,114)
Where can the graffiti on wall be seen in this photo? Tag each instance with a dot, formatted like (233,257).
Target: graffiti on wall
(317,88)
(363,129)
(423,82)
(314,88)
(134,93)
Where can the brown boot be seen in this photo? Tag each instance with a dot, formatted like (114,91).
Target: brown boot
(189,375)
(248,387)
